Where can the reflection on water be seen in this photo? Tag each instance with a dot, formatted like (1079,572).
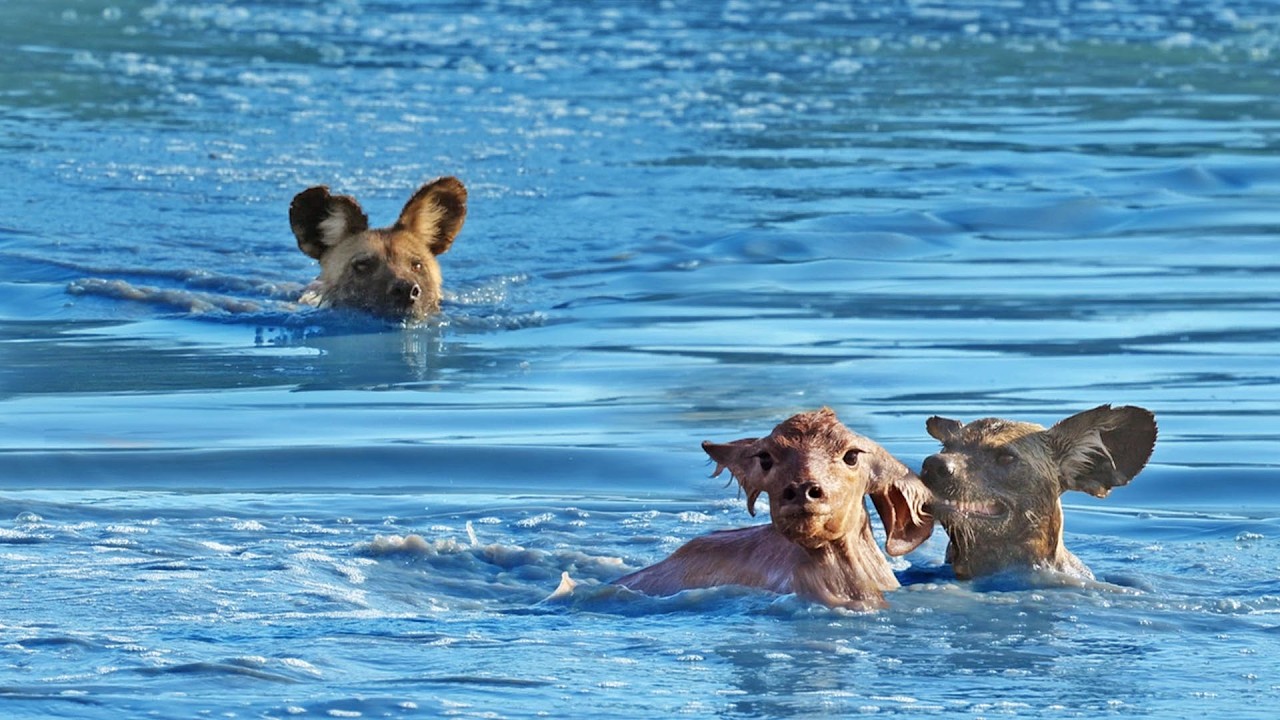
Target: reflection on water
(687,221)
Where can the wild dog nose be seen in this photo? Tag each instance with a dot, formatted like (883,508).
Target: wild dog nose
(936,468)
(403,291)
(802,493)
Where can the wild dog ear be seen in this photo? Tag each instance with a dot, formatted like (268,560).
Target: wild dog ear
(741,458)
(899,498)
(319,220)
(1102,448)
(436,213)
(943,429)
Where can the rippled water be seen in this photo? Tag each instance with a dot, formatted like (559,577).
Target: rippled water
(687,221)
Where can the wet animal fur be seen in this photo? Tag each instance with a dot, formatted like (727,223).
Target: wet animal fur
(389,272)
(997,484)
(818,543)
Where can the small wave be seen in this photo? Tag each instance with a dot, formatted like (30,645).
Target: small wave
(481,680)
(535,521)
(231,668)
(390,545)
(274,307)
(493,291)
(17,537)
(722,600)
(56,642)
(781,246)
(184,300)
(506,557)
(451,571)
(493,322)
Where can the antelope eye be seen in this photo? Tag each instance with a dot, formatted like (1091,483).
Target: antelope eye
(1006,458)
(766,460)
(851,458)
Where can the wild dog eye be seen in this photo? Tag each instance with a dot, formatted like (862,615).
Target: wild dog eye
(851,458)
(766,460)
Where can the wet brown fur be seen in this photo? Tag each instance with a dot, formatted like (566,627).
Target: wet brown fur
(388,272)
(819,543)
(997,484)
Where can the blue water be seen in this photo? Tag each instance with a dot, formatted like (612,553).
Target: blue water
(688,220)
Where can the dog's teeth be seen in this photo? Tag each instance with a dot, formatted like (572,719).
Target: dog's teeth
(972,507)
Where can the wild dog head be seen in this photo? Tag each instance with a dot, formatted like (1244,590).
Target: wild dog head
(997,484)
(390,272)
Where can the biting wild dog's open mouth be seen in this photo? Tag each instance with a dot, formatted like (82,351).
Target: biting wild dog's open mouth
(968,509)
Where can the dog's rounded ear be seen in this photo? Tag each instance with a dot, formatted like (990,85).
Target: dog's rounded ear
(745,464)
(436,213)
(942,429)
(1103,448)
(320,220)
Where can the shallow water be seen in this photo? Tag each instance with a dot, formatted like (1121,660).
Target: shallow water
(687,221)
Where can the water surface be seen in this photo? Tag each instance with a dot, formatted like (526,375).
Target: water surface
(687,221)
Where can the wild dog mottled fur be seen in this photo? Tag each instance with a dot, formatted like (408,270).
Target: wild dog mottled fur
(390,272)
(818,543)
(997,484)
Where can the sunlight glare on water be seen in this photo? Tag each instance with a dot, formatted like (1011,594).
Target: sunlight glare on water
(686,221)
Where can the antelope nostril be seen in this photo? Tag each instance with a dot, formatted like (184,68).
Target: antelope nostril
(814,492)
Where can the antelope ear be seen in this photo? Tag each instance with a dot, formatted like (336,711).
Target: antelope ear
(1102,448)
(900,498)
(320,220)
(739,457)
(435,213)
(943,429)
